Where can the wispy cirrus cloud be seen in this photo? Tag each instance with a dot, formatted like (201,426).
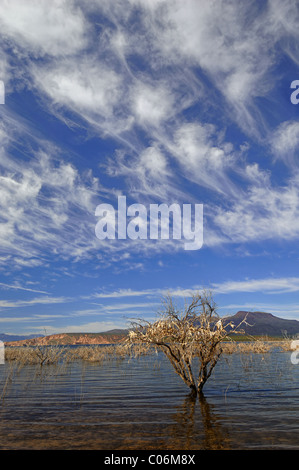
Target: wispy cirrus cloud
(46,204)
(268,285)
(120,293)
(39,28)
(271,285)
(284,142)
(47,300)
(16,286)
(262,212)
(196,54)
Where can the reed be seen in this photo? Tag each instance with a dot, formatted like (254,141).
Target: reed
(8,379)
(89,354)
(42,355)
(46,355)
(256,346)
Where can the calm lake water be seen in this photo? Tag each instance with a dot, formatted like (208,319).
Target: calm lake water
(251,402)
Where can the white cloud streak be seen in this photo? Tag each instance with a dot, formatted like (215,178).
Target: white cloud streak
(97,77)
(269,286)
(57,28)
(18,287)
(36,301)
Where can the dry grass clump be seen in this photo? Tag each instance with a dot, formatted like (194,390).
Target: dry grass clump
(41,355)
(86,353)
(109,352)
(95,353)
(46,355)
(230,347)
(255,346)
(285,345)
(139,349)
(53,354)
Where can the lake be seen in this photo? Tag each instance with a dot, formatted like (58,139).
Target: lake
(251,402)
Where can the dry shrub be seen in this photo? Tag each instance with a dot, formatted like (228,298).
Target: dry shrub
(285,345)
(257,346)
(230,347)
(190,338)
(97,353)
(42,355)
(86,353)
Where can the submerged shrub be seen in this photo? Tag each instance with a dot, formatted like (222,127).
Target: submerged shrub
(190,338)
(41,355)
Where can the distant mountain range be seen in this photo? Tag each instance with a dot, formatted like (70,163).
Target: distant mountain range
(6,338)
(257,324)
(266,324)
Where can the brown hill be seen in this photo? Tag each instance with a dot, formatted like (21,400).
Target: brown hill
(109,337)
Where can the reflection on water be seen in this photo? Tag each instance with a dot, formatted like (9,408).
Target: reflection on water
(195,426)
(249,402)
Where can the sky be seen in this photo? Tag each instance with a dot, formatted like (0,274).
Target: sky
(161,101)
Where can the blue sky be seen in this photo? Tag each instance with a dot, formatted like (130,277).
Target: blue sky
(163,102)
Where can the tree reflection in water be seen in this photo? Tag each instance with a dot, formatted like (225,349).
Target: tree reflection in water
(197,427)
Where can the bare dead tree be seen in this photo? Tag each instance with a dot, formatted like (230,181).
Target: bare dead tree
(190,338)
